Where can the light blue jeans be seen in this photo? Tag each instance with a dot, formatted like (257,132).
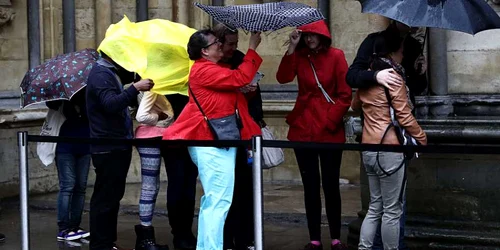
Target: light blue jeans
(386,204)
(216,170)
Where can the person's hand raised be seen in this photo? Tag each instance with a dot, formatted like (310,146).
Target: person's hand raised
(294,40)
(389,78)
(255,40)
(295,37)
(144,85)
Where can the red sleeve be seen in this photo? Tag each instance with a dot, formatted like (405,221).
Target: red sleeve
(217,77)
(287,69)
(343,95)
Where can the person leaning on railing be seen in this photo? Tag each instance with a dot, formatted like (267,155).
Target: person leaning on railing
(216,89)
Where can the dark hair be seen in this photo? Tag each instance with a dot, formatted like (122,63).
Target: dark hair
(197,42)
(221,31)
(324,41)
(386,43)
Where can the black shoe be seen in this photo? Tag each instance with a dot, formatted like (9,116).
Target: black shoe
(185,242)
(2,238)
(146,239)
(311,246)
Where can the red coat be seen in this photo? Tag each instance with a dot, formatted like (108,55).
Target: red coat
(313,118)
(216,88)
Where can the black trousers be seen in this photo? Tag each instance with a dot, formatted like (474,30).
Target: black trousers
(111,173)
(239,226)
(309,166)
(181,190)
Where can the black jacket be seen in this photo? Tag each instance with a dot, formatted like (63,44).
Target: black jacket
(358,75)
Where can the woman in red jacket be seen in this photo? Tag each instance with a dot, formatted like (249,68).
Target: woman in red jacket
(216,88)
(323,100)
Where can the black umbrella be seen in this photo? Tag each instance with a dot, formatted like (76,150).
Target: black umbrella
(263,17)
(469,16)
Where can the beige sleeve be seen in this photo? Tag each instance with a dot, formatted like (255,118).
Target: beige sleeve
(145,113)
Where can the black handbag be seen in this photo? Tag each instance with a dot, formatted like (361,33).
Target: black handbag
(224,128)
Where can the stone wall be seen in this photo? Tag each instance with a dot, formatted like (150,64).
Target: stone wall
(472,68)
(473,62)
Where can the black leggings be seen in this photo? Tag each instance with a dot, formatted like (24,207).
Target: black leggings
(309,166)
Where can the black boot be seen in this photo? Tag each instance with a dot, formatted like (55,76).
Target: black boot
(186,241)
(2,238)
(180,217)
(146,239)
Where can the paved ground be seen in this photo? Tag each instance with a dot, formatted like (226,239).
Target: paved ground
(284,219)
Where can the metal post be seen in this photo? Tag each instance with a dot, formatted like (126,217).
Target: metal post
(69,26)
(142,10)
(22,140)
(33,32)
(257,192)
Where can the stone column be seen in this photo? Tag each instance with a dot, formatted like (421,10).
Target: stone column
(69,26)
(438,62)
(103,19)
(142,10)
(180,11)
(324,7)
(33,32)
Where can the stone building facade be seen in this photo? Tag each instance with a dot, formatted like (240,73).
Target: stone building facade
(472,68)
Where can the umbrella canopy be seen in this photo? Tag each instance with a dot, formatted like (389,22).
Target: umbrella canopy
(263,17)
(155,49)
(59,78)
(469,16)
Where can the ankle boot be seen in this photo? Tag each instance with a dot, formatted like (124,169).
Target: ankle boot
(146,239)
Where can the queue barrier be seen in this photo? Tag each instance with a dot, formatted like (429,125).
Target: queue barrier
(256,144)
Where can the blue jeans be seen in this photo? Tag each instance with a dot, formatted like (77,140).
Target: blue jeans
(73,171)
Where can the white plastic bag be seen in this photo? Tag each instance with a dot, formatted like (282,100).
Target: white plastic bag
(271,157)
(46,151)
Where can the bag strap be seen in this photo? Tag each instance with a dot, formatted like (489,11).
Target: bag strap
(392,124)
(197,103)
(325,94)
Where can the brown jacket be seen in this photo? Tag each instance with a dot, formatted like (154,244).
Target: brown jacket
(377,117)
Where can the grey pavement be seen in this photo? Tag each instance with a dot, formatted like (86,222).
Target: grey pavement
(284,218)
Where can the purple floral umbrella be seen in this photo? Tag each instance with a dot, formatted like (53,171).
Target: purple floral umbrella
(59,78)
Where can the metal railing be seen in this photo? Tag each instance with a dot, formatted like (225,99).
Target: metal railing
(257,147)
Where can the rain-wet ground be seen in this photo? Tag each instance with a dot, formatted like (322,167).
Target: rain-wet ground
(284,219)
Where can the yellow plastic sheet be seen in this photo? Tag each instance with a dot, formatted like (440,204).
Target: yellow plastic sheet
(154,49)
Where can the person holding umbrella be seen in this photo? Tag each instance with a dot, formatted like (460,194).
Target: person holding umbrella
(324,98)
(215,96)
(107,111)
(73,164)
(239,229)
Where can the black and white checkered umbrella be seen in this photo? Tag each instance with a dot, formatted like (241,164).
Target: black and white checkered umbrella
(263,17)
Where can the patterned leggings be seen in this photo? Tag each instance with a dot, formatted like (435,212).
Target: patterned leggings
(150,172)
